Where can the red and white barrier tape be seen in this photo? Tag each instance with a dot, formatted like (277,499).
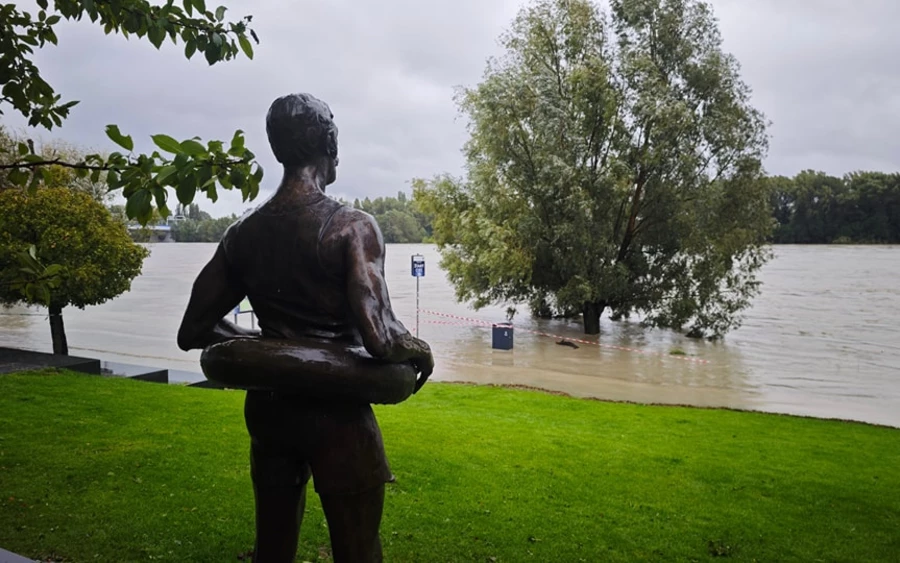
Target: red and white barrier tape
(486,324)
(457,317)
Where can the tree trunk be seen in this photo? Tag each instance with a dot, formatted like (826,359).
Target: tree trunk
(58,331)
(591,312)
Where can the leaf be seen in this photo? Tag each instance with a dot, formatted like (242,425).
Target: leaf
(204,175)
(53,270)
(138,205)
(225,179)
(156,35)
(190,47)
(212,53)
(23,149)
(164,173)
(246,47)
(42,4)
(161,196)
(33,184)
(167,143)
(43,294)
(237,143)
(18,177)
(186,190)
(192,148)
(112,180)
(220,13)
(237,178)
(124,141)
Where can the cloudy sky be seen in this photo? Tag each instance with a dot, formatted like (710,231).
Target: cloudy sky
(825,73)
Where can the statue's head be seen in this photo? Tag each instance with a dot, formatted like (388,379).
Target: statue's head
(301,132)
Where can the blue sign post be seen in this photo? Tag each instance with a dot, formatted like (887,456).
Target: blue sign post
(417,268)
(417,263)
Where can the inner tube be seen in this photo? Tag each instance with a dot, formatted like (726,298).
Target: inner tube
(315,369)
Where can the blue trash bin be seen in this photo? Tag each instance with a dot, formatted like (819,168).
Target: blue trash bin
(502,336)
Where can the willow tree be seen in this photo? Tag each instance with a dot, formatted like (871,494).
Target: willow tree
(614,163)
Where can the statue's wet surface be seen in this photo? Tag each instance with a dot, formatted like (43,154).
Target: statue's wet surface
(328,345)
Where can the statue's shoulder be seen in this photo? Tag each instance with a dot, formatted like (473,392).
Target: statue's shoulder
(235,226)
(354,227)
(233,230)
(352,220)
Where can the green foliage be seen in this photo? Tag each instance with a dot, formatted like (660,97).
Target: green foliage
(814,208)
(399,219)
(36,281)
(130,471)
(614,162)
(187,166)
(91,251)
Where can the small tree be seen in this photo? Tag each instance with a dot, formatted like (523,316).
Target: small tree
(93,257)
(614,163)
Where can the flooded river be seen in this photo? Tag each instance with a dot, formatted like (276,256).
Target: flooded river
(822,340)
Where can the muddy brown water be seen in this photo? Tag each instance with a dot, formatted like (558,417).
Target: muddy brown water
(823,338)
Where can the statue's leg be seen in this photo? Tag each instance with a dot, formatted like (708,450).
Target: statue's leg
(280,473)
(279,513)
(353,522)
(350,468)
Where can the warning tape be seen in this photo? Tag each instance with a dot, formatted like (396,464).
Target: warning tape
(486,324)
(451,323)
(449,316)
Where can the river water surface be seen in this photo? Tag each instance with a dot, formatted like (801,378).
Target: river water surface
(823,338)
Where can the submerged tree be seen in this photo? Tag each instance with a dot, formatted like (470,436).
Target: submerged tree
(614,163)
(92,258)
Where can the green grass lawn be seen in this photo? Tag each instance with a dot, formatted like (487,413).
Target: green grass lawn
(98,469)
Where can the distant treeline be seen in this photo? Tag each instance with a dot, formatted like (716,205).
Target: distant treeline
(810,208)
(815,208)
(398,218)
(189,224)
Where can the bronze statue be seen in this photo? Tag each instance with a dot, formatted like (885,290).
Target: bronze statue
(313,270)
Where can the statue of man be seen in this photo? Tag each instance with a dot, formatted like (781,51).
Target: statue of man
(312,268)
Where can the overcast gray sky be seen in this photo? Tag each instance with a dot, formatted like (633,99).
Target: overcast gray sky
(825,72)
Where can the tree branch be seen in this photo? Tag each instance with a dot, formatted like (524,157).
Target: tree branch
(56,162)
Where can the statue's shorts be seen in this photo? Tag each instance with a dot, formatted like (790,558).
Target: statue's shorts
(291,438)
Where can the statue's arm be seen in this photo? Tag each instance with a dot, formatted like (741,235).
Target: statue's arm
(214,294)
(384,336)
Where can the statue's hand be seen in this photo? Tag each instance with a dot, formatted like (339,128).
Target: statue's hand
(424,365)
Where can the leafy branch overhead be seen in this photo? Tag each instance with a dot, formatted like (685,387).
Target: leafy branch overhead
(192,166)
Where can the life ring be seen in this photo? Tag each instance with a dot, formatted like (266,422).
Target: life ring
(313,368)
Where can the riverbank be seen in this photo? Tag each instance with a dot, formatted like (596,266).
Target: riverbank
(105,469)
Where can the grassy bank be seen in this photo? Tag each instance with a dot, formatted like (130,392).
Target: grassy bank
(95,469)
